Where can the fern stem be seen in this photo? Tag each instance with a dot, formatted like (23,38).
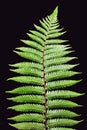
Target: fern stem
(44,77)
(45,109)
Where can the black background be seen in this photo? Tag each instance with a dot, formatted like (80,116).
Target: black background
(17,17)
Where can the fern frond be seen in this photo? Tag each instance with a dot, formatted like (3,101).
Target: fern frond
(60,75)
(55,85)
(31,71)
(37,39)
(56,104)
(60,68)
(61,128)
(45,26)
(62,122)
(28,80)
(33,44)
(36,33)
(61,113)
(42,99)
(28,126)
(55,34)
(56,55)
(28,117)
(27,90)
(57,48)
(28,108)
(40,29)
(29,50)
(28,99)
(58,61)
(27,65)
(29,56)
(56,30)
(62,94)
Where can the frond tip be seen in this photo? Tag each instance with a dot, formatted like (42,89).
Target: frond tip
(54,14)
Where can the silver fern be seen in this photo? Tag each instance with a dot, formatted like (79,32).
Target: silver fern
(43,99)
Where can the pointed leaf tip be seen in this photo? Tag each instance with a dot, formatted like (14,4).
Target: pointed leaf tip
(56,10)
(54,14)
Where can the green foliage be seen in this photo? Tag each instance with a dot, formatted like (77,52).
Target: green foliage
(28,90)
(28,108)
(61,113)
(28,126)
(61,122)
(28,117)
(42,97)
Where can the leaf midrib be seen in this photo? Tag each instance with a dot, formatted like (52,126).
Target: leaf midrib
(44,78)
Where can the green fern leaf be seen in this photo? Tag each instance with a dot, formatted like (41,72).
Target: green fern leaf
(61,122)
(27,90)
(28,108)
(62,94)
(28,98)
(28,126)
(28,80)
(27,65)
(28,117)
(42,100)
(61,113)
(60,128)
